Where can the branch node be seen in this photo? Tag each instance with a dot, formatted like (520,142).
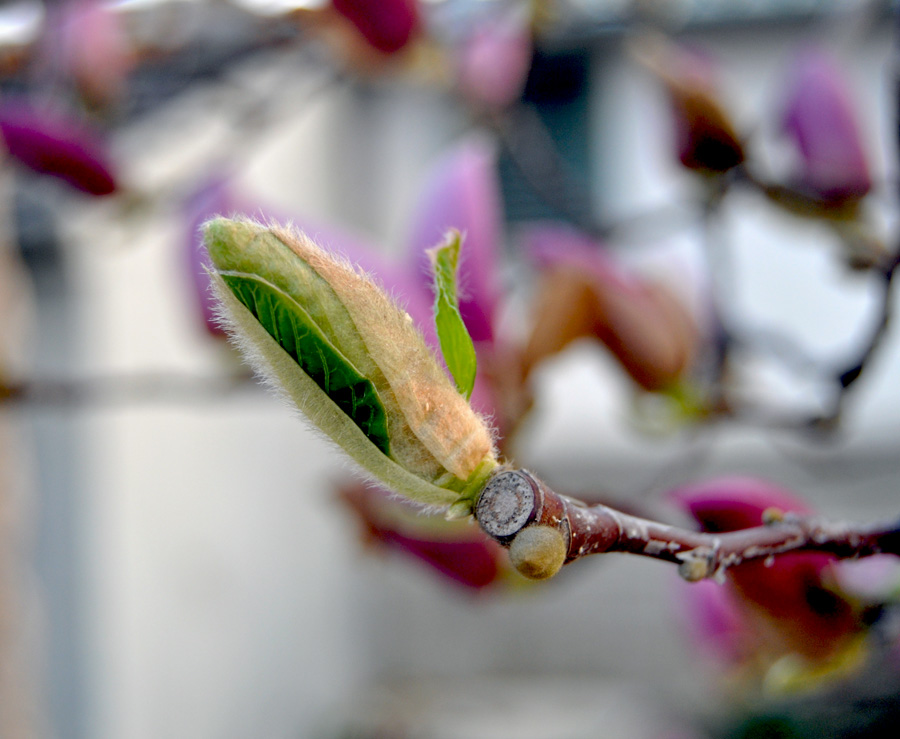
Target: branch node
(696,564)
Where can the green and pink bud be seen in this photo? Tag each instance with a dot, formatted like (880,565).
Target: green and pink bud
(351,360)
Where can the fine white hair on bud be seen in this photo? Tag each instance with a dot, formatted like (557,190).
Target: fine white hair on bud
(350,359)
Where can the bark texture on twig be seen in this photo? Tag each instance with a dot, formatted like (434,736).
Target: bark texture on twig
(515,501)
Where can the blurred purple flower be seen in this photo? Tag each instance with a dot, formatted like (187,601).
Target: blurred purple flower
(586,294)
(492,63)
(820,119)
(457,551)
(706,138)
(388,25)
(462,191)
(89,43)
(792,603)
(714,620)
(57,145)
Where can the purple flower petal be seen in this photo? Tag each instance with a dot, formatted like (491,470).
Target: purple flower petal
(460,554)
(713,619)
(792,594)
(463,192)
(554,245)
(469,562)
(733,503)
(820,119)
(56,145)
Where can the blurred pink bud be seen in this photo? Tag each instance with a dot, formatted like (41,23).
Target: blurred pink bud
(455,550)
(388,25)
(56,145)
(493,62)
(792,600)
(820,118)
(584,293)
(463,192)
(93,49)
(470,562)
(706,137)
(714,619)
(733,503)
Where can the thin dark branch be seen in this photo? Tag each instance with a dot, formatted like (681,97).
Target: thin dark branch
(514,501)
(851,372)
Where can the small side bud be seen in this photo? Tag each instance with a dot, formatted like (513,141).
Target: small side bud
(772,515)
(694,567)
(538,552)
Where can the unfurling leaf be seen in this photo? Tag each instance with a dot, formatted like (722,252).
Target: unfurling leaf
(456,344)
(350,359)
(299,336)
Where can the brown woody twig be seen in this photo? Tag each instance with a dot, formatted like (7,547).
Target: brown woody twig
(545,530)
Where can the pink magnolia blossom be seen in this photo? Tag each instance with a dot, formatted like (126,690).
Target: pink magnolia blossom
(820,119)
(586,294)
(57,145)
(90,44)
(458,552)
(714,620)
(706,137)
(387,25)
(791,604)
(492,63)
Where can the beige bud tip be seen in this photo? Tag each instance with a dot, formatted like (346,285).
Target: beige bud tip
(538,552)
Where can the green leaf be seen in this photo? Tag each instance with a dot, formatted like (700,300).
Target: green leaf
(456,344)
(299,335)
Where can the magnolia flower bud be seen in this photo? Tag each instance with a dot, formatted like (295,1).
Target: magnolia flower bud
(57,145)
(388,25)
(706,137)
(791,601)
(350,359)
(820,118)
